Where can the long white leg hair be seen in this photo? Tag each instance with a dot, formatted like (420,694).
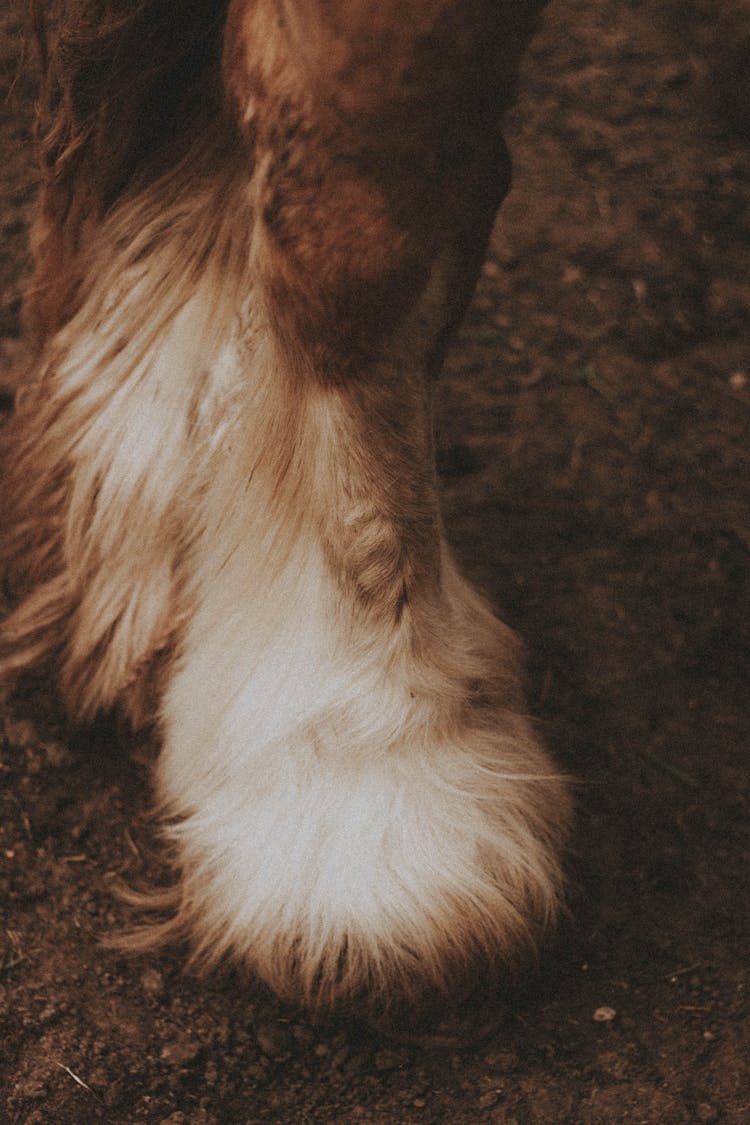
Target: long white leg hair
(222,514)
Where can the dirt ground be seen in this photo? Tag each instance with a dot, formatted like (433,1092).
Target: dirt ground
(594,435)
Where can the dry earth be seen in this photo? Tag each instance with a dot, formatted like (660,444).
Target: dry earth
(595,428)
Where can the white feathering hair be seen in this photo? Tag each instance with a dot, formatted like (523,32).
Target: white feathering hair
(223,515)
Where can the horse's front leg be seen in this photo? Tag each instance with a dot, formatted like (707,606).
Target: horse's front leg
(361,804)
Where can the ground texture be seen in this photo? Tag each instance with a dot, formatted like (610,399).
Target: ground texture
(595,437)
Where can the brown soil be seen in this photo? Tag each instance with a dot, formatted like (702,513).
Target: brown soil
(595,429)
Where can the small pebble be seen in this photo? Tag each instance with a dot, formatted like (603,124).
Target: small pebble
(604,1015)
(180,1051)
(275,1040)
(152,982)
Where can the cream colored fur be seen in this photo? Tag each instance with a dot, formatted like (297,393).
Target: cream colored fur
(357,803)
(348,818)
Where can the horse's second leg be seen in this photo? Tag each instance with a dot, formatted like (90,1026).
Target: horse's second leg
(361,803)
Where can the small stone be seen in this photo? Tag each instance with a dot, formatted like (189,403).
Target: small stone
(180,1051)
(152,982)
(604,1015)
(275,1040)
